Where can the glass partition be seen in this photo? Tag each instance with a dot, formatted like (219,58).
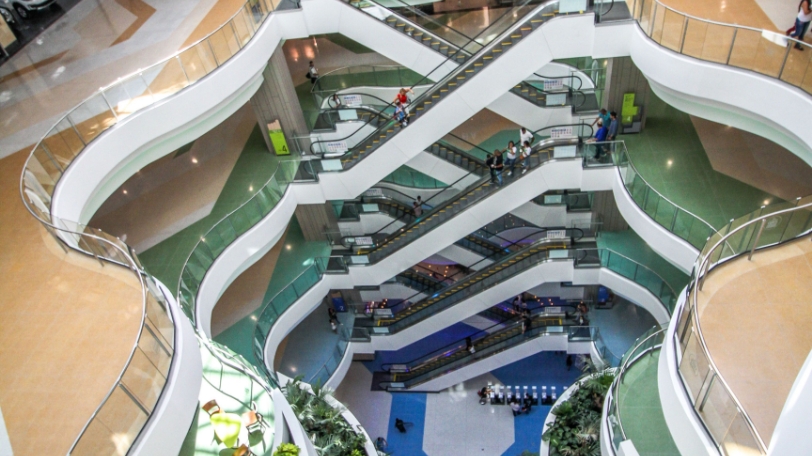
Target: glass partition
(229,228)
(765,52)
(281,302)
(647,343)
(715,403)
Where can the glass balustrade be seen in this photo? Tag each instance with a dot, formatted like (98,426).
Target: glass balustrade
(408,177)
(765,52)
(64,141)
(229,228)
(639,274)
(356,76)
(715,403)
(650,341)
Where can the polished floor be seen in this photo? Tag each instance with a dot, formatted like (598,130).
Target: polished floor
(453,422)
(640,411)
(69,325)
(750,314)
(89,47)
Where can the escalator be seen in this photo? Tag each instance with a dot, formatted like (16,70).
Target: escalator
(488,342)
(484,56)
(403,214)
(452,205)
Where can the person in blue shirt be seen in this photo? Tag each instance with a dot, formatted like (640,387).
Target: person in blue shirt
(600,137)
(604,117)
(613,127)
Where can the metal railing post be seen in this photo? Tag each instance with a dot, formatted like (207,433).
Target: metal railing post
(758,236)
(732,43)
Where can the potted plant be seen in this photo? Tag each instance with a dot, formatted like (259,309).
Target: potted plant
(286,449)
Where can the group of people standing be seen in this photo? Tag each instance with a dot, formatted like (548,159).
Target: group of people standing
(507,159)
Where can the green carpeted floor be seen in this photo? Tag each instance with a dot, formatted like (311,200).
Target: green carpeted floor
(641,412)
(252,170)
(671,158)
(291,262)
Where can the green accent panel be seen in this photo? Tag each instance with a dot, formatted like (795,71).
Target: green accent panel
(629,244)
(348,44)
(641,412)
(253,168)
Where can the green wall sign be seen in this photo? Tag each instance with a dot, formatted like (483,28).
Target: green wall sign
(280,144)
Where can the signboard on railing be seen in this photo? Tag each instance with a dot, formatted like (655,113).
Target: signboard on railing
(556,234)
(374,192)
(352,100)
(556,99)
(553,84)
(363,240)
(336,146)
(561,132)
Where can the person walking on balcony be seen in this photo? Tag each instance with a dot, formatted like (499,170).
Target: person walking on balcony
(614,126)
(510,158)
(600,138)
(801,23)
(312,73)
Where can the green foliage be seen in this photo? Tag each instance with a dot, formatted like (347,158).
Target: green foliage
(576,429)
(323,423)
(286,449)
(528,453)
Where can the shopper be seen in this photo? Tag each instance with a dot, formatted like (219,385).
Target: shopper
(510,157)
(402,98)
(469,345)
(600,138)
(517,409)
(603,116)
(801,22)
(400,115)
(489,162)
(418,211)
(614,126)
(524,156)
(312,73)
(498,166)
(525,136)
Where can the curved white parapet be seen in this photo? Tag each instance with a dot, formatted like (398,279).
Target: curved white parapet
(728,95)
(686,429)
(158,129)
(168,424)
(162,127)
(791,436)
(674,249)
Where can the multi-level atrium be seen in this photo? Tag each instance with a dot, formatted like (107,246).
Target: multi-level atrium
(297,227)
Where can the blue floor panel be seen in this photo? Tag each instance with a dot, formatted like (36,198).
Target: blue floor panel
(411,408)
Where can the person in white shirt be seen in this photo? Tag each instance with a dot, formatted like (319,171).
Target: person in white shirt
(802,22)
(525,156)
(510,160)
(525,136)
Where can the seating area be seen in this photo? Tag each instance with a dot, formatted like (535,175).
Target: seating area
(236,414)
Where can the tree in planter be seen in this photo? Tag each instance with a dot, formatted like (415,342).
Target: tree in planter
(323,423)
(576,429)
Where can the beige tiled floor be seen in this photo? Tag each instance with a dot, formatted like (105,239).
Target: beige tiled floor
(68,326)
(751,317)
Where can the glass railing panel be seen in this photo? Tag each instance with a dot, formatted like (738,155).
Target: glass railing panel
(92,117)
(798,70)
(800,221)
(223,45)
(693,43)
(243,26)
(775,226)
(164,80)
(694,367)
(739,438)
(197,61)
(752,51)
(116,425)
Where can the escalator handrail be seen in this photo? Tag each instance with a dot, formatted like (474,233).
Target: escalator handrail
(579,124)
(433,354)
(425,16)
(540,145)
(522,337)
(461,68)
(510,255)
(313,89)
